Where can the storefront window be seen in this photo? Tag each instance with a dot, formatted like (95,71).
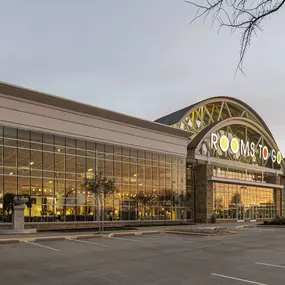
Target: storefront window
(52,169)
(241,202)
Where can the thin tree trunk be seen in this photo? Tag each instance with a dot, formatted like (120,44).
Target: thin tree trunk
(98,213)
(103,214)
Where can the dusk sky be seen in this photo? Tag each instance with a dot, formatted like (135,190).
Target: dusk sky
(140,58)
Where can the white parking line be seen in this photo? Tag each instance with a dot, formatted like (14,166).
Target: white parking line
(270,265)
(132,240)
(88,242)
(238,279)
(39,245)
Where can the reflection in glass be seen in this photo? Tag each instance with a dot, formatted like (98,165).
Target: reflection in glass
(243,202)
(52,169)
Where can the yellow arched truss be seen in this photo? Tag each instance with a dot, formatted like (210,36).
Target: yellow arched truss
(214,110)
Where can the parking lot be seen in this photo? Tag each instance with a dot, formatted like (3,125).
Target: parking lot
(253,256)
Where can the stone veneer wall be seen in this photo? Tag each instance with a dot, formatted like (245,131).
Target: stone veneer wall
(278,195)
(203,193)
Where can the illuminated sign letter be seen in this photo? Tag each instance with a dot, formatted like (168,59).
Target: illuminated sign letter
(260,150)
(252,149)
(224,143)
(234,145)
(265,153)
(273,155)
(244,148)
(279,157)
(214,141)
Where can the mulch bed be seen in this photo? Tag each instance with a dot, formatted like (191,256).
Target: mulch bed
(202,231)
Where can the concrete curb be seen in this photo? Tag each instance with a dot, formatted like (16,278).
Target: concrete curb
(9,241)
(20,232)
(49,239)
(135,233)
(87,236)
(153,232)
(122,234)
(272,226)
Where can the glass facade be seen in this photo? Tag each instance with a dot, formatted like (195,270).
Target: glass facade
(238,174)
(239,202)
(52,169)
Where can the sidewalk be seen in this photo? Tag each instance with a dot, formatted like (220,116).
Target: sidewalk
(92,234)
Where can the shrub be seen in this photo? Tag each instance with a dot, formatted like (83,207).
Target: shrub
(276,221)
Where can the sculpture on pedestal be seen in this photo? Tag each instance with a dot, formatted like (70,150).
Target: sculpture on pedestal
(15,205)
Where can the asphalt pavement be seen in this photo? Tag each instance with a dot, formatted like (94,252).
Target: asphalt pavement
(253,256)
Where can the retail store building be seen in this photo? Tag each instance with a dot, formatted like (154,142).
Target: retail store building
(215,156)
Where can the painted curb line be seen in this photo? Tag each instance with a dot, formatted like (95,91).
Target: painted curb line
(201,234)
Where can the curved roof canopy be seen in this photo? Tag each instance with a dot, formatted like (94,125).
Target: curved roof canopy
(224,115)
(196,117)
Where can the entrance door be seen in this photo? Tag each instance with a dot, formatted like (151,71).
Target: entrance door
(253,213)
(240,212)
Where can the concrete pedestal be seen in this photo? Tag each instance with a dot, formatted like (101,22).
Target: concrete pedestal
(18,223)
(18,219)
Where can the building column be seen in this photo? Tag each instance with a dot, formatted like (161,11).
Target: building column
(203,193)
(277,194)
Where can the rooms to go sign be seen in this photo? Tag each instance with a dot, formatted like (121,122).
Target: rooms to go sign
(245,148)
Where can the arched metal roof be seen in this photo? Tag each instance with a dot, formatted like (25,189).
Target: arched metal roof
(178,116)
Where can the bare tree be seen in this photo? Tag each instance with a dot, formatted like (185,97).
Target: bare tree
(244,15)
(171,199)
(101,187)
(145,201)
(67,193)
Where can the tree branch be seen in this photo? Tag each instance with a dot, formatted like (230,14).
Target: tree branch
(245,15)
